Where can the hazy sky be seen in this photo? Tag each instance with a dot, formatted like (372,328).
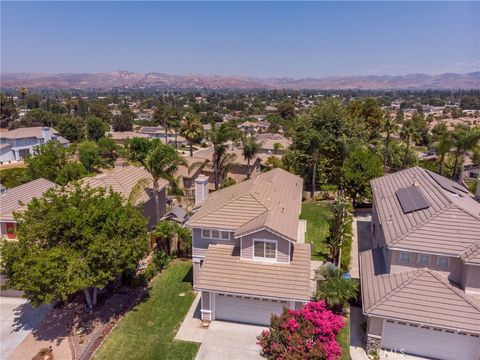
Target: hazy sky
(263,39)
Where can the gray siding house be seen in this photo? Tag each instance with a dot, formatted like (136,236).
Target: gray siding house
(249,256)
(421,281)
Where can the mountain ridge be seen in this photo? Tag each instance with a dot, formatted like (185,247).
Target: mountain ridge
(124,78)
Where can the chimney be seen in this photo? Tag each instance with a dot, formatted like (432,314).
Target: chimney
(201,189)
(47,134)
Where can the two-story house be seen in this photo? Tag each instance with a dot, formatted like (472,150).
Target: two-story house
(249,255)
(421,280)
(17,144)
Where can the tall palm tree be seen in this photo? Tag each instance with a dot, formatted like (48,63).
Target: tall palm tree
(219,135)
(162,161)
(409,134)
(316,141)
(191,129)
(442,144)
(389,128)
(250,148)
(338,229)
(334,288)
(464,140)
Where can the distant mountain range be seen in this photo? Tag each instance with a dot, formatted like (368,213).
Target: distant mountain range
(123,79)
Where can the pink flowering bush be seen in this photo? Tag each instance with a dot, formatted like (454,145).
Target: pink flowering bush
(309,333)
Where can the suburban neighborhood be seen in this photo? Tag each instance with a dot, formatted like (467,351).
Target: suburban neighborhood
(264,180)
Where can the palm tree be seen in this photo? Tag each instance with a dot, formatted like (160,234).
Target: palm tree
(464,140)
(316,141)
(165,230)
(191,129)
(409,134)
(442,143)
(219,135)
(250,149)
(338,229)
(334,288)
(389,128)
(162,161)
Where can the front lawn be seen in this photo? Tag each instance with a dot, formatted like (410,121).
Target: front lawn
(343,339)
(148,330)
(317,216)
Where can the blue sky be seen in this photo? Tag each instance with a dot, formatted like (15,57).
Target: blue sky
(279,39)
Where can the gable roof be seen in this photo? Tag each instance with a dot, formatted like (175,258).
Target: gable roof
(272,200)
(123,180)
(421,296)
(223,270)
(27,132)
(13,198)
(449,226)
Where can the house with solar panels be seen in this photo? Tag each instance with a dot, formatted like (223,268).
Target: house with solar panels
(421,279)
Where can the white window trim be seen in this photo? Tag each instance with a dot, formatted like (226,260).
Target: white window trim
(210,237)
(420,263)
(441,266)
(259,258)
(403,262)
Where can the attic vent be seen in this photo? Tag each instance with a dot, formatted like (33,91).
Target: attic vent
(411,199)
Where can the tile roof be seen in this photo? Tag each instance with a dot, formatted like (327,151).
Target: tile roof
(224,271)
(34,131)
(269,139)
(421,296)
(11,200)
(123,180)
(272,200)
(450,225)
(122,135)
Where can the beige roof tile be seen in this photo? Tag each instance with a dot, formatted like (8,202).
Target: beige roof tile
(224,271)
(13,199)
(272,200)
(421,296)
(450,225)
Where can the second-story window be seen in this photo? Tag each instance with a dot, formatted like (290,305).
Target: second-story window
(442,261)
(263,249)
(404,258)
(215,234)
(423,259)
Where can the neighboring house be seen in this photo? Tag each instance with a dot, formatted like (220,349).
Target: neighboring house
(471,171)
(16,200)
(268,141)
(249,255)
(158,132)
(238,171)
(123,179)
(421,281)
(188,174)
(121,136)
(17,144)
(254,126)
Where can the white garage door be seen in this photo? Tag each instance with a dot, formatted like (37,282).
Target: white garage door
(430,342)
(246,310)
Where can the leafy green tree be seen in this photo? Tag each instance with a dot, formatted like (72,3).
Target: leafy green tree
(108,150)
(58,108)
(37,117)
(339,225)
(389,128)
(464,140)
(71,128)
(336,290)
(71,171)
(316,142)
(229,181)
(99,109)
(250,148)
(273,162)
(124,121)
(138,148)
(399,116)
(286,110)
(396,155)
(277,147)
(47,161)
(70,241)
(191,129)
(165,231)
(361,166)
(95,128)
(409,134)
(32,101)
(8,110)
(89,155)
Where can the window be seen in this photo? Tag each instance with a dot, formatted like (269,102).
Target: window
(442,261)
(215,234)
(264,249)
(404,258)
(423,259)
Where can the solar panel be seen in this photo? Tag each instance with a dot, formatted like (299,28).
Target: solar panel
(448,184)
(411,199)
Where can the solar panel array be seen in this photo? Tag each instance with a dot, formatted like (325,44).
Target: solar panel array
(411,199)
(448,184)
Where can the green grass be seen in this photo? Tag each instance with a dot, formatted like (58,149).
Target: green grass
(343,339)
(317,216)
(148,330)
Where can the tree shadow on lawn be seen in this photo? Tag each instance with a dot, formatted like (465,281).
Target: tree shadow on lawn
(188,278)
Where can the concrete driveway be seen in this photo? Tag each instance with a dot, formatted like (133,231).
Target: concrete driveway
(230,341)
(18,318)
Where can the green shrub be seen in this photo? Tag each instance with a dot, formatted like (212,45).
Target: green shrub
(161,260)
(150,272)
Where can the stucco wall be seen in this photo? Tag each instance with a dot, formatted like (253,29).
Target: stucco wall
(283,245)
(206,306)
(200,244)
(374,326)
(471,279)
(149,209)
(453,272)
